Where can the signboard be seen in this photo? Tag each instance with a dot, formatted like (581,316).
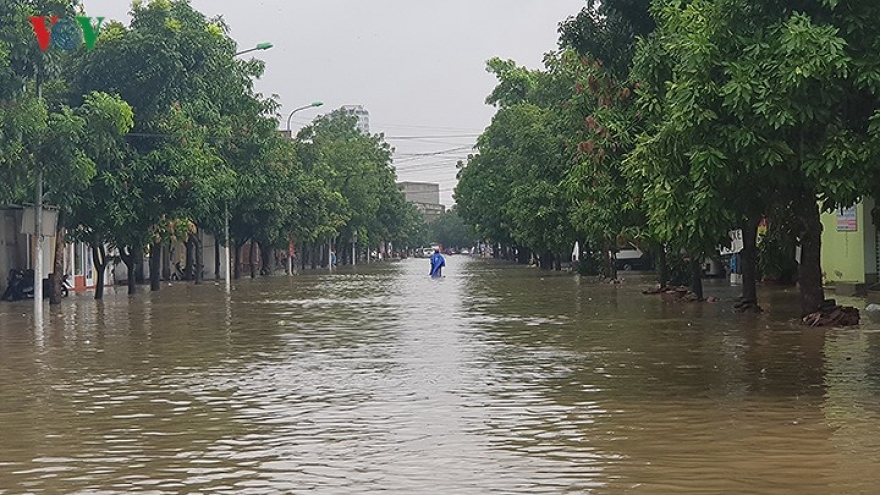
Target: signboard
(846,220)
(50,219)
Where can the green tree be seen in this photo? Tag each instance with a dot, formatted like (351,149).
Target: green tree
(356,168)
(600,122)
(177,71)
(100,211)
(753,103)
(510,192)
(607,31)
(449,230)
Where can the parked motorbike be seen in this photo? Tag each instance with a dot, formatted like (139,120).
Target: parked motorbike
(65,286)
(20,285)
(178,273)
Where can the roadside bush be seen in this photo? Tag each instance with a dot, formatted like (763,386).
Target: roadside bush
(590,264)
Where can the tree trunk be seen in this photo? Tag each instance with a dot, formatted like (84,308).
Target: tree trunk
(128,257)
(138,255)
(155,266)
(188,269)
(558,259)
(99,257)
(57,274)
(304,254)
(609,261)
(697,277)
(199,268)
(267,258)
(253,254)
(166,261)
(313,256)
(236,263)
(749,258)
(216,259)
(522,256)
(662,266)
(810,273)
(546,261)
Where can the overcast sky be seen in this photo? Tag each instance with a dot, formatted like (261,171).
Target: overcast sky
(417,66)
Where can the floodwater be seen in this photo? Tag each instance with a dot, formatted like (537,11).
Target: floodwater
(494,379)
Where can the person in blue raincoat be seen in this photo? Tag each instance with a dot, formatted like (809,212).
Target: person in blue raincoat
(437,263)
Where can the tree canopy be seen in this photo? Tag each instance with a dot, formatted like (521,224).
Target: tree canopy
(672,122)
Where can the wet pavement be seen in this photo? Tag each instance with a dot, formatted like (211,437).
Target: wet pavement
(495,379)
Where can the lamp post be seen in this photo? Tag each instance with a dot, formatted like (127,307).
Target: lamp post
(311,105)
(38,228)
(260,46)
(228,267)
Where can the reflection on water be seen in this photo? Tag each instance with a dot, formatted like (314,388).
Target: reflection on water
(494,379)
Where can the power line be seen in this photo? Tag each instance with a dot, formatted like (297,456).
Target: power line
(414,160)
(444,167)
(461,134)
(435,153)
(379,123)
(428,127)
(439,136)
(433,167)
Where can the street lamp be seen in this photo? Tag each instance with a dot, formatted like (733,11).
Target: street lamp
(261,46)
(310,105)
(228,268)
(38,229)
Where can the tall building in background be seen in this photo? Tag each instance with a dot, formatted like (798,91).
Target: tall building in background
(363,116)
(426,197)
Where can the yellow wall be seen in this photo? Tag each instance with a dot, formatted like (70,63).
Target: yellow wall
(843,253)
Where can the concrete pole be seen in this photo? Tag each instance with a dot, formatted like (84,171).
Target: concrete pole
(38,237)
(38,232)
(228,261)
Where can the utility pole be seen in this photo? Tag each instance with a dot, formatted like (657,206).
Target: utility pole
(38,227)
(228,261)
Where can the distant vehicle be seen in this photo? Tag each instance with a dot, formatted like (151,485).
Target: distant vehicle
(632,258)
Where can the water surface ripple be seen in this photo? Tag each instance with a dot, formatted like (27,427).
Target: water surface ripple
(494,379)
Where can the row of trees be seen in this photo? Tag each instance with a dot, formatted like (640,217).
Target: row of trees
(450,231)
(148,137)
(671,122)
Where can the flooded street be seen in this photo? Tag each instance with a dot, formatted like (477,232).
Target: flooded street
(494,379)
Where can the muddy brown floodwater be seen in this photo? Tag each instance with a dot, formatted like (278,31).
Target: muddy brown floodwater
(494,379)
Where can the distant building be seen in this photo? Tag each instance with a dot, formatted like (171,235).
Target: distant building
(363,116)
(420,192)
(426,197)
